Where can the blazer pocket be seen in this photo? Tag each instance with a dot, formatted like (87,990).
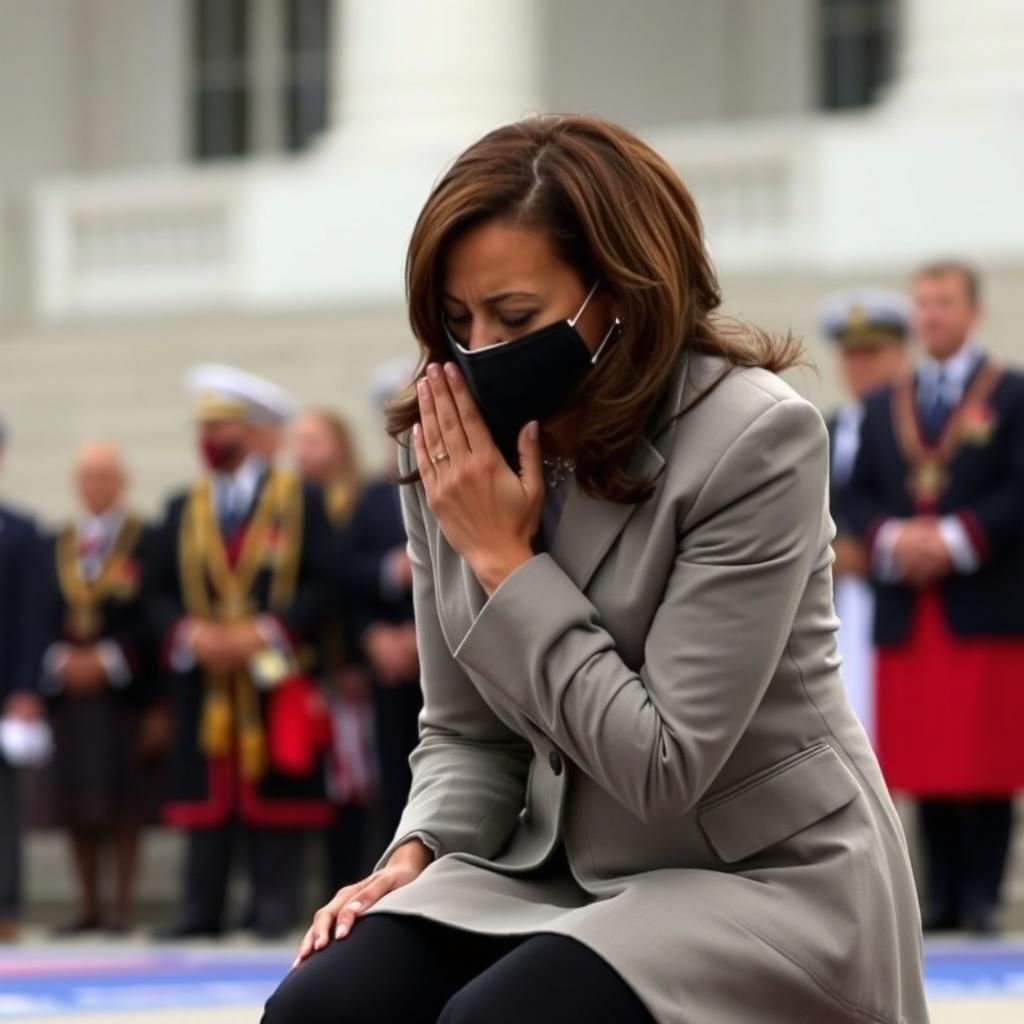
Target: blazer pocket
(777,803)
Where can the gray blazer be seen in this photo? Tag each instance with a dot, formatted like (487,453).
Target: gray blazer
(660,693)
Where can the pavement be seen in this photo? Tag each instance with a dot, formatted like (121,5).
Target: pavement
(130,980)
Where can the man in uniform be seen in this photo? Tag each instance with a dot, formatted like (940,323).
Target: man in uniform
(21,711)
(869,328)
(938,497)
(237,590)
(98,678)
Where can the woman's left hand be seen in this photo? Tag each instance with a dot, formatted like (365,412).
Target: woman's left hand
(487,512)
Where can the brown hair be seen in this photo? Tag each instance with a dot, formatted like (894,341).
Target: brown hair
(968,275)
(618,213)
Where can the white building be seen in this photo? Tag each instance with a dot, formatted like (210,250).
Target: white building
(236,179)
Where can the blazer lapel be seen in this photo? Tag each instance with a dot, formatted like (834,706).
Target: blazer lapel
(588,526)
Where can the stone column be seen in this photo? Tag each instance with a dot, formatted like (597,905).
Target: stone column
(415,73)
(957,55)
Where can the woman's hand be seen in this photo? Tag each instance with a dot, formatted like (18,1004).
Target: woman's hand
(488,513)
(336,918)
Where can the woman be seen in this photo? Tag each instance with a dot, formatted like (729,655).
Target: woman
(325,454)
(639,793)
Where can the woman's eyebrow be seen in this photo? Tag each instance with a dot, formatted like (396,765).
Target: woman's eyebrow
(498,297)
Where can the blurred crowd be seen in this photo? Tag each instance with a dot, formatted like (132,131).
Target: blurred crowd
(245,669)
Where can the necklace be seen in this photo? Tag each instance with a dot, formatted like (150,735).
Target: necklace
(557,468)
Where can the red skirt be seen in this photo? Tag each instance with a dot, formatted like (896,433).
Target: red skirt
(950,710)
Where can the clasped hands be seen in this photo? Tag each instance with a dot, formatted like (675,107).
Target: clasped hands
(225,646)
(919,552)
(83,671)
(487,512)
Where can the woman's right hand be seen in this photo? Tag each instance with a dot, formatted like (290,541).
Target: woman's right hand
(336,918)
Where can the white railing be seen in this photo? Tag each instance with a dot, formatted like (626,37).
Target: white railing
(755,189)
(198,240)
(145,244)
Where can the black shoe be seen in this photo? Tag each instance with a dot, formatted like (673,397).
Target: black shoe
(184,930)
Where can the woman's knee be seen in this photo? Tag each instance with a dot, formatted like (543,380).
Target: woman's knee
(466,1007)
(299,999)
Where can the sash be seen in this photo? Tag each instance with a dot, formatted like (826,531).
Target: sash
(969,421)
(84,597)
(216,590)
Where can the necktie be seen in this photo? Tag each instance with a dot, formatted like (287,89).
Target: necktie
(91,549)
(231,513)
(936,407)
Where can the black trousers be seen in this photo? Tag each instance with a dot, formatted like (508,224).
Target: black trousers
(397,711)
(10,844)
(397,968)
(273,861)
(966,843)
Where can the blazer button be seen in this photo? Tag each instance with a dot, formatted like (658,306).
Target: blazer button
(555,760)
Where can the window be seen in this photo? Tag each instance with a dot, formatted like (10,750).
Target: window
(260,75)
(858,43)
(221,79)
(306,90)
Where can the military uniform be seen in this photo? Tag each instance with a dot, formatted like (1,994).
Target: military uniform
(248,758)
(864,321)
(97,778)
(948,441)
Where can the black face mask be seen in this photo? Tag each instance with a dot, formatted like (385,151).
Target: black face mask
(527,378)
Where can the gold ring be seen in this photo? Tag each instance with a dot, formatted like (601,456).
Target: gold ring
(439,457)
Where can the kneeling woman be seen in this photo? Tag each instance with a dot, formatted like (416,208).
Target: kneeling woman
(639,794)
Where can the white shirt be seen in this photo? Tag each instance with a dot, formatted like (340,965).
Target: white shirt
(99,532)
(234,492)
(954,373)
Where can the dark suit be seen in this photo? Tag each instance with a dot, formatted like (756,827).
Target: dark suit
(98,777)
(984,488)
(980,483)
(21,645)
(375,530)
(212,796)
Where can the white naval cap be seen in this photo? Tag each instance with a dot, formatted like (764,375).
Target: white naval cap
(226,392)
(390,378)
(865,317)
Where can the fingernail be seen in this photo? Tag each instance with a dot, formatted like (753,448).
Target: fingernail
(416,430)
(423,387)
(355,906)
(532,431)
(320,942)
(449,368)
(434,370)
(295,963)
(341,931)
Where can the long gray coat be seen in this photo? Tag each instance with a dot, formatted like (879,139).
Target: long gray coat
(662,691)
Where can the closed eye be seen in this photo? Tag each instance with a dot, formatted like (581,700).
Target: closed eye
(515,322)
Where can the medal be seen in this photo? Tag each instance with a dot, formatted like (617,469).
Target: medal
(84,621)
(927,480)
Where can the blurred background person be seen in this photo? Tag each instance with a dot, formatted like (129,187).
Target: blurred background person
(324,453)
(98,675)
(380,588)
(236,589)
(869,329)
(21,710)
(938,496)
